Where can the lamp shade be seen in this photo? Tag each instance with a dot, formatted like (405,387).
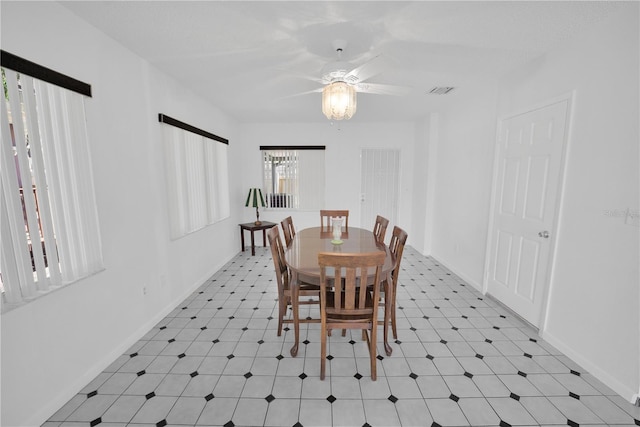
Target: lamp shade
(339,100)
(254,198)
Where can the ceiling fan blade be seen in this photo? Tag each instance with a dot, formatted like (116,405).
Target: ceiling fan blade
(383,89)
(295,95)
(306,77)
(365,71)
(298,75)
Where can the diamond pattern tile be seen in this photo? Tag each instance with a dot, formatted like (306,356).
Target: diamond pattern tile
(460,360)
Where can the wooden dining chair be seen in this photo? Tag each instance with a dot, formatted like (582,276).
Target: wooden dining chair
(283,279)
(396,247)
(326,215)
(288,230)
(346,305)
(380,228)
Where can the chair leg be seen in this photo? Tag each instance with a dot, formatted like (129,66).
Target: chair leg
(372,351)
(388,302)
(393,314)
(282,311)
(323,349)
(385,330)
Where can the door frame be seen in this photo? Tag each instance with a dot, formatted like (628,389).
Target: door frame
(569,97)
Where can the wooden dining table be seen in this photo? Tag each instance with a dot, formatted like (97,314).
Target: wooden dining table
(302,258)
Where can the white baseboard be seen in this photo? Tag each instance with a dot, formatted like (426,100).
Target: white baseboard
(463,276)
(615,385)
(67,394)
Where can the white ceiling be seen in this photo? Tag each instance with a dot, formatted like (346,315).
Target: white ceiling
(250,58)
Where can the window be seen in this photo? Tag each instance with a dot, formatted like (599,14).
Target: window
(293,177)
(50,234)
(197,177)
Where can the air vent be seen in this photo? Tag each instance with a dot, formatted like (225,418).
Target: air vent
(441,90)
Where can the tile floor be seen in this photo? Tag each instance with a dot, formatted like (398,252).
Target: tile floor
(460,360)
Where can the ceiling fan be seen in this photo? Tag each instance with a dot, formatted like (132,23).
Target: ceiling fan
(342,82)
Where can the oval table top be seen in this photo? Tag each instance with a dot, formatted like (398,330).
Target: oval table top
(302,255)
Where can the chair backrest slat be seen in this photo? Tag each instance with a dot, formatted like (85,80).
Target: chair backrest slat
(327,214)
(380,228)
(288,230)
(277,253)
(396,247)
(349,272)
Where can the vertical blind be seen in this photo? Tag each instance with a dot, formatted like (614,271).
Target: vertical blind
(197,180)
(50,233)
(293,178)
(379,183)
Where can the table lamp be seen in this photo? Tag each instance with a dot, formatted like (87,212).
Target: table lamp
(255,200)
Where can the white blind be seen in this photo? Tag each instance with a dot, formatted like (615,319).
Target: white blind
(311,179)
(50,231)
(293,179)
(221,169)
(197,180)
(379,183)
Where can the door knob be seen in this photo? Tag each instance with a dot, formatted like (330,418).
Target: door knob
(544,234)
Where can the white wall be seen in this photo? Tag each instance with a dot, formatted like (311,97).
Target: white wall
(56,344)
(465,144)
(594,296)
(421,181)
(342,181)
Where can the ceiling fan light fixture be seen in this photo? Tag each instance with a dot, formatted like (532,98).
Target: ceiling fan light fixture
(339,100)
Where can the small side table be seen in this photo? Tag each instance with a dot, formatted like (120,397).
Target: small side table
(250,226)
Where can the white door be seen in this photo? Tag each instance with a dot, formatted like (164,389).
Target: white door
(379,183)
(529,162)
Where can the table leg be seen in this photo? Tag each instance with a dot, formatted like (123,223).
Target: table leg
(296,316)
(253,245)
(264,237)
(242,238)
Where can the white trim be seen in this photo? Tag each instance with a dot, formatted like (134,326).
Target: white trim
(468,280)
(569,98)
(560,198)
(492,210)
(577,357)
(593,369)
